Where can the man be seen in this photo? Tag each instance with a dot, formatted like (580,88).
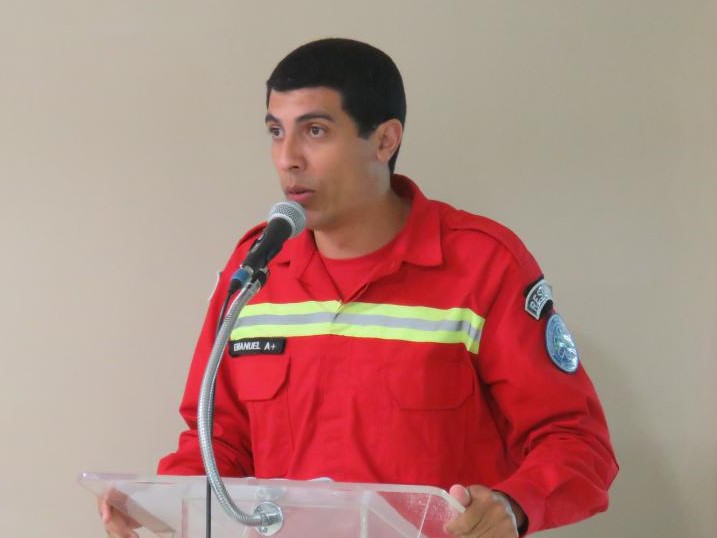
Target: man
(411,342)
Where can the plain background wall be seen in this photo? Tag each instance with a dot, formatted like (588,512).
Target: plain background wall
(133,155)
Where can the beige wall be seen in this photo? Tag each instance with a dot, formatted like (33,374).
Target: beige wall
(132,155)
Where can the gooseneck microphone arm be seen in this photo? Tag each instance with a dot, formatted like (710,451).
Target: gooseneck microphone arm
(286,219)
(267,516)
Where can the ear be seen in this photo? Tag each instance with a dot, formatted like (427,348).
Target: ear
(388,136)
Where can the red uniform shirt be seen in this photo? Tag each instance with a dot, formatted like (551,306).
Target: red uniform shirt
(430,372)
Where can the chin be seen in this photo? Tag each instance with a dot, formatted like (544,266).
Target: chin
(312,222)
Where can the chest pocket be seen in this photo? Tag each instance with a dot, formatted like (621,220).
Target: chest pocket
(433,410)
(260,383)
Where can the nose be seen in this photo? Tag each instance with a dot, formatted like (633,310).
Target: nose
(288,154)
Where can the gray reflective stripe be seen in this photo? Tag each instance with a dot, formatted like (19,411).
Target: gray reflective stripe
(363,320)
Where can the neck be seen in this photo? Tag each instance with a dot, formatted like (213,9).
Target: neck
(368,232)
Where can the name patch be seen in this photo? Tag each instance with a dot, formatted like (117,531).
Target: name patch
(539,298)
(257,346)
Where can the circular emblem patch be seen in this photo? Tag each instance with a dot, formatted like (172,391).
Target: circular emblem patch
(561,347)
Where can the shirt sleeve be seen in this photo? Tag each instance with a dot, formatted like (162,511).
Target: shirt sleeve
(552,421)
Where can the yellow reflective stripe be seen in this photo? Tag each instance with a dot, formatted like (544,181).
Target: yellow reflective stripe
(307,307)
(399,311)
(367,320)
(417,312)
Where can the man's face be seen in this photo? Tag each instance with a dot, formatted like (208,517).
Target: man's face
(322,162)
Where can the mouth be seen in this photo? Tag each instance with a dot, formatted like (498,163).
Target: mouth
(298,194)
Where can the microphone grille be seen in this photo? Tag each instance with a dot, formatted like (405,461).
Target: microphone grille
(291,212)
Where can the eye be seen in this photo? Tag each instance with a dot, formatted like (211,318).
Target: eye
(275,131)
(316,131)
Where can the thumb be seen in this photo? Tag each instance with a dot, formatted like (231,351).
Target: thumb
(461,494)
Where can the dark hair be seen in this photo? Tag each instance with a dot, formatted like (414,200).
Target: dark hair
(369,82)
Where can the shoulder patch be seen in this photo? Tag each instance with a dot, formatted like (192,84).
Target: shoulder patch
(538,298)
(560,345)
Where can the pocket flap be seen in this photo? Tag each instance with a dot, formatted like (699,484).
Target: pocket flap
(259,378)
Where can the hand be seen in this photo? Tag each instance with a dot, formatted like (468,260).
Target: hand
(488,514)
(117,524)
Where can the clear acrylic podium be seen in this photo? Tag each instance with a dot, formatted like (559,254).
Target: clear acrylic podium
(174,506)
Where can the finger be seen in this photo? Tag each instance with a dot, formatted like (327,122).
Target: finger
(105,511)
(116,523)
(119,529)
(461,494)
(462,525)
(485,514)
(496,520)
(465,523)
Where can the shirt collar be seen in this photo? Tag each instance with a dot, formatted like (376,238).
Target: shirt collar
(418,243)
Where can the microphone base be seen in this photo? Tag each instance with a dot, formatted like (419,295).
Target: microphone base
(272,516)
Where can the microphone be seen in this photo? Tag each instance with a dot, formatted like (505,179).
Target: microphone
(285,220)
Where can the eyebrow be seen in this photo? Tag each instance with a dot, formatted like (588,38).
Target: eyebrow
(304,117)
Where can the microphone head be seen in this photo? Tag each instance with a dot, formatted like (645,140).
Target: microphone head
(292,213)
